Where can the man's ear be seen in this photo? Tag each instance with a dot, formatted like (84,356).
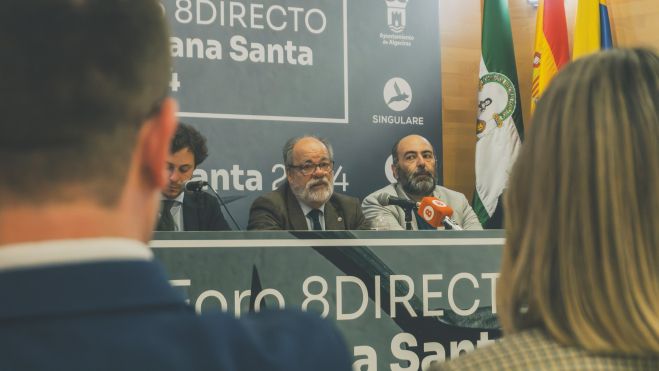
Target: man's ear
(394,170)
(155,141)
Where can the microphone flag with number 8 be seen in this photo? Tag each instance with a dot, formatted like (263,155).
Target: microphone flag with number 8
(434,211)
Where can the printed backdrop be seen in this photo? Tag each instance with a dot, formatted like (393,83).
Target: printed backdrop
(250,75)
(401,299)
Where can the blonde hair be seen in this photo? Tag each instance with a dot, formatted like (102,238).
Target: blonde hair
(582,225)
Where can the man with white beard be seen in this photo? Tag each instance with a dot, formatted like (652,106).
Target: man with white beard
(307,200)
(415,166)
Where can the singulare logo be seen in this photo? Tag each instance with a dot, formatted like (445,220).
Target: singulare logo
(397,94)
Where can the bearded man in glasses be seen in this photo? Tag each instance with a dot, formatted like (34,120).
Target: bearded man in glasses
(415,168)
(307,200)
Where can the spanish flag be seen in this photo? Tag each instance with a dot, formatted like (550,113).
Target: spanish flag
(552,50)
(593,29)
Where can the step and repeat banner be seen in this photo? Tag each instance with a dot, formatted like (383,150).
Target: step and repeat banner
(251,74)
(401,299)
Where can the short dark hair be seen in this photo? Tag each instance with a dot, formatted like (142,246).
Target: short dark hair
(188,137)
(78,79)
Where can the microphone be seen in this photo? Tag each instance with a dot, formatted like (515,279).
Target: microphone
(195,185)
(386,199)
(435,212)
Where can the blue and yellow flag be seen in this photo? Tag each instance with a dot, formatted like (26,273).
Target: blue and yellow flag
(593,29)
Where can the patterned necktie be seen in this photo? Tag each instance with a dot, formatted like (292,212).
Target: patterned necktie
(166,222)
(314,214)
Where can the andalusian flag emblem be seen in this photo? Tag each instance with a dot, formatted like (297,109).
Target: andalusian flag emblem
(499,127)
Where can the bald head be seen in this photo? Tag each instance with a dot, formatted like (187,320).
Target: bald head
(412,141)
(414,166)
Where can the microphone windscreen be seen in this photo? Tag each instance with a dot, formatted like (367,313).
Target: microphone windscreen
(195,185)
(433,211)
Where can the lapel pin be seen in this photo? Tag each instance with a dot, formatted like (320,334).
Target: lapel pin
(339,219)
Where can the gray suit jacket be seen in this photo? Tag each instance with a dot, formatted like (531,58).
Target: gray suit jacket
(280,210)
(393,217)
(534,350)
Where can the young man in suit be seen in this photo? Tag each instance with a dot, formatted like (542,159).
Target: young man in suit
(183,210)
(307,200)
(86,133)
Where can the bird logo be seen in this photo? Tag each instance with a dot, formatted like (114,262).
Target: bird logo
(400,96)
(397,94)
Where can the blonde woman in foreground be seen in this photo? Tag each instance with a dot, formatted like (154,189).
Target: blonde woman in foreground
(579,284)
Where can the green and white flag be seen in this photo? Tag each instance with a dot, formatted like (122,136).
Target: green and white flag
(499,128)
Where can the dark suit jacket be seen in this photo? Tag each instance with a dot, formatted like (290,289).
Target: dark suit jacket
(202,212)
(280,210)
(125,316)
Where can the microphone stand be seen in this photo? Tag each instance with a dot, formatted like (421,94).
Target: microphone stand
(408,217)
(450,224)
(196,186)
(225,207)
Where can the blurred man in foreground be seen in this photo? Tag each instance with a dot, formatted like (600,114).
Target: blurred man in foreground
(86,132)
(307,200)
(415,167)
(183,210)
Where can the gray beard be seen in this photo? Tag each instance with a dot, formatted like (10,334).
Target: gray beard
(308,196)
(418,185)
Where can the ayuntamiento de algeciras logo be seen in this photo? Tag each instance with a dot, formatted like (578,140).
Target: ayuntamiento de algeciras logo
(397,24)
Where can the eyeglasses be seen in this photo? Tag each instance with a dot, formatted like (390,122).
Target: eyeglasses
(309,168)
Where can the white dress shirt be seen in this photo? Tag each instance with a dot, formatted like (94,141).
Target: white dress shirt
(176,210)
(71,251)
(305,211)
